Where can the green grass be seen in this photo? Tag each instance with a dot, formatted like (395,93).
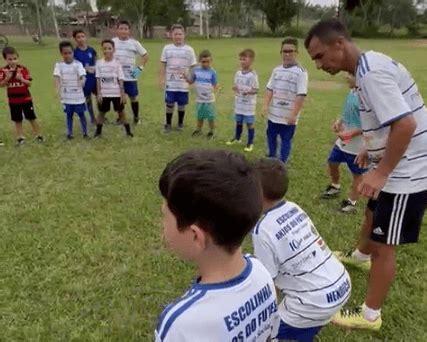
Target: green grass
(81,255)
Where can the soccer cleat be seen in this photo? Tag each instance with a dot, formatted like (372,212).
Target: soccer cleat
(196,133)
(70,137)
(353,318)
(97,135)
(349,259)
(347,207)
(118,122)
(233,142)
(1,143)
(130,135)
(20,141)
(210,135)
(40,139)
(167,129)
(249,148)
(136,121)
(330,192)
(86,137)
(180,127)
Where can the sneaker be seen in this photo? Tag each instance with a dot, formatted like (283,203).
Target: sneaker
(118,122)
(330,192)
(136,121)
(353,318)
(347,207)
(349,259)
(180,127)
(196,133)
(1,143)
(233,142)
(97,135)
(85,136)
(70,137)
(40,139)
(20,141)
(249,148)
(167,129)
(130,135)
(210,135)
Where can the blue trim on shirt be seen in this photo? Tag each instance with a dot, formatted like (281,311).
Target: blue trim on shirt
(408,88)
(396,118)
(366,62)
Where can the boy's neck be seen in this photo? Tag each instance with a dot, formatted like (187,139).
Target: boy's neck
(179,45)
(124,38)
(247,69)
(69,62)
(108,59)
(291,64)
(267,204)
(218,266)
(82,47)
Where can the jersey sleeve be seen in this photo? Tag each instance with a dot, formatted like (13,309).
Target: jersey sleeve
(120,74)
(141,50)
(193,59)
(163,56)
(57,70)
(255,82)
(264,252)
(270,83)
(97,70)
(26,74)
(302,83)
(214,79)
(384,97)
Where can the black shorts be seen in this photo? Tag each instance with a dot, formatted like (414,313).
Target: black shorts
(20,111)
(105,106)
(397,218)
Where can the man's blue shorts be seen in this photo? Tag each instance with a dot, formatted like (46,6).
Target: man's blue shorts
(131,88)
(180,97)
(290,333)
(338,156)
(74,108)
(90,86)
(245,119)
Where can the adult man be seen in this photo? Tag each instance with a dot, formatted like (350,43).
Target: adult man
(394,123)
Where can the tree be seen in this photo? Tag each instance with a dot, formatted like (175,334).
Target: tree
(399,13)
(278,12)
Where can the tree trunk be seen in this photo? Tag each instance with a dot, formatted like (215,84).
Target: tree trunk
(55,22)
(39,22)
(201,4)
(207,22)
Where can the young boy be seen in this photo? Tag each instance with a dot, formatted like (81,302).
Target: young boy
(346,149)
(211,200)
(126,52)
(284,99)
(17,79)
(110,89)
(245,89)
(87,56)
(175,63)
(69,81)
(314,283)
(205,81)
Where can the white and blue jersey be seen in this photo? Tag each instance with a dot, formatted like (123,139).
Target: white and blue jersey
(314,283)
(241,309)
(88,58)
(205,81)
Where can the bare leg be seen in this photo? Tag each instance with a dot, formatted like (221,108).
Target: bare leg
(354,195)
(365,244)
(199,125)
(19,130)
(212,125)
(334,173)
(35,127)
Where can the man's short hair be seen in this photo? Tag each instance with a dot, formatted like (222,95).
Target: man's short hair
(292,41)
(107,41)
(205,54)
(326,31)
(9,50)
(273,176)
(217,190)
(77,31)
(64,44)
(123,22)
(177,27)
(247,53)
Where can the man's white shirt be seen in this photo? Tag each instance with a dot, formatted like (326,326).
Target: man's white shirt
(314,283)
(241,309)
(70,76)
(388,93)
(126,52)
(286,83)
(178,60)
(109,74)
(245,82)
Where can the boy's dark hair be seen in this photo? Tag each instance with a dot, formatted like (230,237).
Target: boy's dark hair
(205,54)
(177,27)
(9,50)
(290,40)
(64,44)
(326,31)
(123,22)
(107,41)
(273,176)
(77,31)
(247,53)
(217,190)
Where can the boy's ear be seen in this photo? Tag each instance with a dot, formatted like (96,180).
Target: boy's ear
(200,237)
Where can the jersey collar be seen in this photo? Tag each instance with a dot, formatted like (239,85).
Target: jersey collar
(278,205)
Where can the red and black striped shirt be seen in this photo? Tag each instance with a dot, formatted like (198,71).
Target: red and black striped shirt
(17,92)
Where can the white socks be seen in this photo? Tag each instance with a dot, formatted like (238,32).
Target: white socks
(360,256)
(336,186)
(370,314)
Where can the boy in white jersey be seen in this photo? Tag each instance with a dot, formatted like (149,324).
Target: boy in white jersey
(245,89)
(348,145)
(394,123)
(127,50)
(284,99)
(69,81)
(204,79)
(110,89)
(176,62)
(314,283)
(212,199)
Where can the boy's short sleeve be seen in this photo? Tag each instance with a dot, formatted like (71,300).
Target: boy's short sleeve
(82,71)
(255,82)
(193,59)
(270,83)
(141,50)
(57,70)
(97,70)
(2,74)
(264,252)
(163,55)
(384,97)
(302,83)
(120,74)
(214,78)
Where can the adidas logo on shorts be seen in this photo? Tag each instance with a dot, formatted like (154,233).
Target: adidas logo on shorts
(378,231)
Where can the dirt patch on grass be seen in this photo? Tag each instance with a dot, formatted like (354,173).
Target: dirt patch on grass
(325,85)
(419,43)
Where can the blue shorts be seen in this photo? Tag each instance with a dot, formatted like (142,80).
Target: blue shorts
(74,108)
(287,332)
(338,156)
(245,119)
(180,97)
(90,86)
(131,88)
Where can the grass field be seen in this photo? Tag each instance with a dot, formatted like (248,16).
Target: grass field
(81,255)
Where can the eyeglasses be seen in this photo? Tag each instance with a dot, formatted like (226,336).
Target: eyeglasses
(288,51)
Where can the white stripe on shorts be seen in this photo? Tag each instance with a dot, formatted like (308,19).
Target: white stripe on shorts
(398,213)
(400,222)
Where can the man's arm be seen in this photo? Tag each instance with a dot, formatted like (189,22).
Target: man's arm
(57,85)
(298,104)
(162,74)
(267,100)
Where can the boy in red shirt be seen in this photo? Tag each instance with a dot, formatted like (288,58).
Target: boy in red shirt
(17,79)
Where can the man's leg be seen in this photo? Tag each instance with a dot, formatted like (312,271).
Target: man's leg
(19,129)
(135,109)
(83,123)
(69,112)
(272,134)
(89,105)
(251,134)
(286,134)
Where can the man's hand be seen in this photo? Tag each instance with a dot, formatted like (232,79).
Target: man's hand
(123,98)
(337,126)
(19,76)
(292,120)
(235,89)
(162,84)
(136,71)
(9,75)
(90,69)
(362,159)
(264,111)
(99,98)
(345,136)
(372,184)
